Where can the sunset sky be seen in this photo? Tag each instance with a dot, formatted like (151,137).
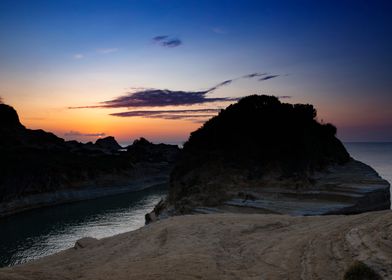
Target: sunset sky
(85,69)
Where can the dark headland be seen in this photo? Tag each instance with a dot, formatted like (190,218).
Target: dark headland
(263,156)
(261,191)
(37,168)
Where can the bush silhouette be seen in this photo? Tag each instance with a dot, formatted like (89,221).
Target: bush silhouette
(262,134)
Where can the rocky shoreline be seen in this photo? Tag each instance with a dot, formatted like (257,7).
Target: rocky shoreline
(73,195)
(344,189)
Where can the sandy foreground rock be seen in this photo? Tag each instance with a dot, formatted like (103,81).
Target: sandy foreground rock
(226,246)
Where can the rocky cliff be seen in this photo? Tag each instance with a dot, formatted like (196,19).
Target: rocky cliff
(261,155)
(38,168)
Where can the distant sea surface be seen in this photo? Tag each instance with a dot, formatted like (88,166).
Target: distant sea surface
(377,155)
(45,231)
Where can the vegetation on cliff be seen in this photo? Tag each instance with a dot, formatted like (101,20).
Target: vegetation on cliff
(258,137)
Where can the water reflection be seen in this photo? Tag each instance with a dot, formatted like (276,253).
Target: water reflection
(45,231)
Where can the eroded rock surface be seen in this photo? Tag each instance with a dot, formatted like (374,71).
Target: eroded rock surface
(228,246)
(341,189)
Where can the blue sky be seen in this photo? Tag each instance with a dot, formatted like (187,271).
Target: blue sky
(334,54)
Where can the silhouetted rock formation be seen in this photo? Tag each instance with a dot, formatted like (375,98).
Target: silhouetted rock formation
(38,168)
(108,143)
(8,117)
(13,134)
(263,155)
(141,149)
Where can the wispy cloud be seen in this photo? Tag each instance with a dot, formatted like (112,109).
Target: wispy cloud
(78,56)
(254,75)
(1,100)
(224,83)
(268,77)
(196,115)
(73,133)
(107,50)
(166,41)
(201,112)
(172,43)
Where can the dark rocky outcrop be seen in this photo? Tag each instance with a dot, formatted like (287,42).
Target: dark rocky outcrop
(142,149)
(38,168)
(9,117)
(261,155)
(14,134)
(108,143)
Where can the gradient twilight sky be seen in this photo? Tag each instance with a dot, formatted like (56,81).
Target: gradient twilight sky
(58,54)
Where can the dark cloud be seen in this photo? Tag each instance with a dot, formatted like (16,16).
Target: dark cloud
(192,118)
(162,112)
(268,77)
(77,133)
(159,97)
(284,96)
(166,41)
(164,97)
(172,43)
(196,115)
(253,75)
(160,38)
(1,100)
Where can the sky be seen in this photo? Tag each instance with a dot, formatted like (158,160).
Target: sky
(159,69)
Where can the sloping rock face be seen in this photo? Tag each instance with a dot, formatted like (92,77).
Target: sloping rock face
(227,246)
(9,117)
(38,168)
(14,134)
(269,156)
(350,188)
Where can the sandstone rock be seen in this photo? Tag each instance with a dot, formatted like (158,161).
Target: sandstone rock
(227,246)
(342,189)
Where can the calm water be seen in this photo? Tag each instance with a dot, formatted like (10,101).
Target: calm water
(45,231)
(377,155)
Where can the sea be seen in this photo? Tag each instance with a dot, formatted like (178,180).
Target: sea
(41,232)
